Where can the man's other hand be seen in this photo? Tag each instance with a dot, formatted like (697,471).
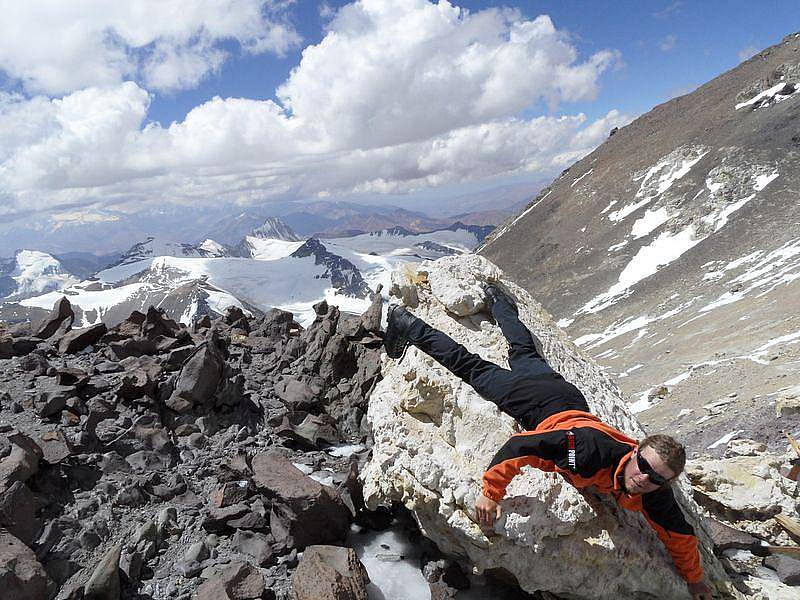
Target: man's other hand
(700,591)
(487,510)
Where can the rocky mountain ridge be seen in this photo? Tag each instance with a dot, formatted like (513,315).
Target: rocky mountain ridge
(672,253)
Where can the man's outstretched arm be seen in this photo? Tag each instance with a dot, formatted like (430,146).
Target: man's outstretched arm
(546,451)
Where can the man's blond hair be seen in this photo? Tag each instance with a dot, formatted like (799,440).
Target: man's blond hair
(671,452)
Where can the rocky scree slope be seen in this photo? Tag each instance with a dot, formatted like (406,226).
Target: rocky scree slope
(672,252)
(154,461)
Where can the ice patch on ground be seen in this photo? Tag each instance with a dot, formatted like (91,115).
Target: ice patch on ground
(724,439)
(767,95)
(574,183)
(651,220)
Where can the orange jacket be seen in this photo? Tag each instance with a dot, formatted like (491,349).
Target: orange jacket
(587,452)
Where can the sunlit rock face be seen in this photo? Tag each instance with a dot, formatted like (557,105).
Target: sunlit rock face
(435,436)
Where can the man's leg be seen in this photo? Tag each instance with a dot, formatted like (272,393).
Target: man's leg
(490,381)
(523,357)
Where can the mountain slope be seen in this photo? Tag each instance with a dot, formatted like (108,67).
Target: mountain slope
(672,252)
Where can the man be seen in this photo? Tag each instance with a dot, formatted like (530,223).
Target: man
(561,434)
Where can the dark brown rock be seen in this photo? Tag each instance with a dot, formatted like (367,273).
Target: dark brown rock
(298,394)
(21,575)
(230,493)
(6,342)
(61,317)
(104,584)
(330,573)
(304,512)
(79,339)
(199,378)
(55,446)
(156,323)
(18,512)
(139,380)
(728,538)
(788,568)
(22,462)
(135,346)
(240,581)
(256,545)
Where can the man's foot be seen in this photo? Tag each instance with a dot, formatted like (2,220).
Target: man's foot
(492,294)
(399,321)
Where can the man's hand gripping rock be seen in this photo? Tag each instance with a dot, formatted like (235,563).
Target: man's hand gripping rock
(487,511)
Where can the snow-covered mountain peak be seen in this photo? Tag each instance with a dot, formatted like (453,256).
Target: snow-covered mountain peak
(275,229)
(32,272)
(153,246)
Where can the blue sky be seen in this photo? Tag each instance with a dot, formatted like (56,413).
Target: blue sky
(668,48)
(126,106)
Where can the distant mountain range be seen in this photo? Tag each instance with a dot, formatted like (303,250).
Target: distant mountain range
(272,266)
(102,230)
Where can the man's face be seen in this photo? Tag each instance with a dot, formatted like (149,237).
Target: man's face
(637,482)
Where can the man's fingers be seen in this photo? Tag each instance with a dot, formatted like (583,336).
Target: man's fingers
(498,511)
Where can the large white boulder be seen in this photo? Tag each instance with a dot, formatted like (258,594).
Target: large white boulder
(435,436)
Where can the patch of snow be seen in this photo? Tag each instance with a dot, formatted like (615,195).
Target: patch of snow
(758,354)
(574,183)
(666,248)
(213,249)
(763,181)
(345,450)
(392,563)
(763,95)
(667,171)
(684,412)
(719,218)
(607,208)
(304,468)
(651,220)
(564,323)
(271,249)
(616,247)
(724,439)
(678,378)
(643,403)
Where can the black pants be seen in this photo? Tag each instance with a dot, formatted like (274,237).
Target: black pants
(530,391)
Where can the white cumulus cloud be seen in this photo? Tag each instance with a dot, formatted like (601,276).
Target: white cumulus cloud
(399,95)
(56,47)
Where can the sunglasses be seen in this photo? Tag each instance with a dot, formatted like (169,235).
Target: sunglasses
(648,470)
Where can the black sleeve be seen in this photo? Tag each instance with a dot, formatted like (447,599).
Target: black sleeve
(663,509)
(548,445)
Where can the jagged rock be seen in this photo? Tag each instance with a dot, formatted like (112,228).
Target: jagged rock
(55,447)
(141,375)
(104,584)
(156,323)
(135,346)
(230,493)
(34,363)
(435,436)
(24,345)
(52,398)
(276,325)
(6,342)
(743,487)
(310,431)
(22,462)
(329,573)
(304,512)
(217,519)
(72,376)
(728,538)
(79,339)
(788,568)
(256,545)
(60,318)
(199,377)
(298,394)
(21,575)
(18,512)
(240,581)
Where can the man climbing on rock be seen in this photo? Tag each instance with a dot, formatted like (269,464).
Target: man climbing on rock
(561,434)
